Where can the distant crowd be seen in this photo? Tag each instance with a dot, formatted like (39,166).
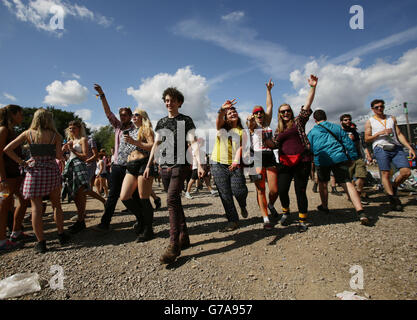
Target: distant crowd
(40,165)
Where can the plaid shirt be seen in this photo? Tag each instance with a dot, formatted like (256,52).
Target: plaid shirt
(120,155)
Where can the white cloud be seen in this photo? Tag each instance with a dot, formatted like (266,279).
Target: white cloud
(388,42)
(9,96)
(84,114)
(64,94)
(234,16)
(272,58)
(349,88)
(194,88)
(37,12)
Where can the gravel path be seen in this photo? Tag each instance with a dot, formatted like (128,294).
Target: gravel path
(249,263)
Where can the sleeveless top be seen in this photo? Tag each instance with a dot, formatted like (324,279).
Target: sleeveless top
(258,138)
(11,167)
(378,125)
(78,148)
(226,145)
(42,150)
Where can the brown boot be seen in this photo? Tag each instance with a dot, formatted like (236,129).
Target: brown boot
(172,252)
(184,241)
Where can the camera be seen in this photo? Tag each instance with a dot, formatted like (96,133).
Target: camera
(126,132)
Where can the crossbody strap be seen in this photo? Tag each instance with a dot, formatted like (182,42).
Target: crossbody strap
(337,139)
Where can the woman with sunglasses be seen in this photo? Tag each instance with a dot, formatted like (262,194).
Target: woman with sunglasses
(294,156)
(140,141)
(258,124)
(226,163)
(76,172)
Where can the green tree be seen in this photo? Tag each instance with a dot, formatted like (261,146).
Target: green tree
(62,119)
(104,138)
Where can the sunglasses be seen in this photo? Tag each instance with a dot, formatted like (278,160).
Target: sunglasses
(285,111)
(137,115)
(378,107)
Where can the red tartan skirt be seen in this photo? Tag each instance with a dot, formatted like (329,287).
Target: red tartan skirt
(42,177)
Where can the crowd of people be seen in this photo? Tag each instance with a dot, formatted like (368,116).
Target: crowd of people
(174,154)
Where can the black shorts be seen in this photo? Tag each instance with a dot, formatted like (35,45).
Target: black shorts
(137,167)
(268,159)
(194,175)
(340,172)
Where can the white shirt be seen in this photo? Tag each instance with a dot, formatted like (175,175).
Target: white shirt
(378,125)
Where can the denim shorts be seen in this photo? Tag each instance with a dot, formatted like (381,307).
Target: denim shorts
(397,157)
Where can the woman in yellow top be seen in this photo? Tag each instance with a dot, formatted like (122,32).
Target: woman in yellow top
(226,163)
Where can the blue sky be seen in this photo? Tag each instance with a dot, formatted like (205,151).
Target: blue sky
(212,51)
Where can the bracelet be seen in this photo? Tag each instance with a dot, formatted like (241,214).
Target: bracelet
(220,110)
(102,96)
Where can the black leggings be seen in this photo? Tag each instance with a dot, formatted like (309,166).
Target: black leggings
(300,173)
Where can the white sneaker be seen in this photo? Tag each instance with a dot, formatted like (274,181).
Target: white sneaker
(188,195)
(214,192)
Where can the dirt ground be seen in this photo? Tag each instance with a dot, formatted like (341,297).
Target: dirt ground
(249,263)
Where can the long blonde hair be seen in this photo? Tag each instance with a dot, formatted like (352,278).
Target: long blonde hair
(43,121)
(78,124)
(145,130)
(281,124)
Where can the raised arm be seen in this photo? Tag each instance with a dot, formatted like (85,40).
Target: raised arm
(220,117)
(269,103)
(312,81)
(103,99)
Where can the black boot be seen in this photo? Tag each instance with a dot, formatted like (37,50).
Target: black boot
(135,207)
(147,212)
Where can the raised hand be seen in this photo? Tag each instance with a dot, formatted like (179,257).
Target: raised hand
(228,104)
(270,85)
(98,89)
(312,81)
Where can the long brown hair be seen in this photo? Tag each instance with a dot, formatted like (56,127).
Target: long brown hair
(227,126)
(6,113)
(282,126)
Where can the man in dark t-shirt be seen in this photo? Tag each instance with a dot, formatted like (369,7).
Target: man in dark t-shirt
(358,167)
(170,148)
